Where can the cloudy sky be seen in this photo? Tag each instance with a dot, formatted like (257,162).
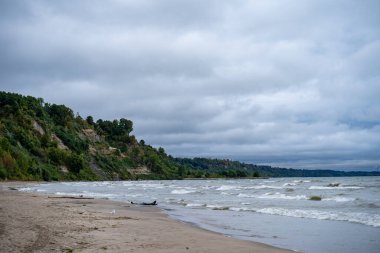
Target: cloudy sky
(289,82)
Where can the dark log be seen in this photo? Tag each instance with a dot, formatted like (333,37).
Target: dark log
(68,197)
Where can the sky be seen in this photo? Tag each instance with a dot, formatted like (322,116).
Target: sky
(288,83)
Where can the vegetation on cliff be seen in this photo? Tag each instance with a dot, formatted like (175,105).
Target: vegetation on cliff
(42,141)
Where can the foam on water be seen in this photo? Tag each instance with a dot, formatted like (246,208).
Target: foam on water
(240,209)
(218,207)
(370,220)
(195,205)
(278,195)
(259,187)
(339,199)
(244,195)
(227,188)
(25,189)
(315,187)
(181,191)
(67,194)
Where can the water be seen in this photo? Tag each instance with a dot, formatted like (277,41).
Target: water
(273,211)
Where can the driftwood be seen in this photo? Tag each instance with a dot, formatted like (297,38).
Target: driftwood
(154,203)
(69,197)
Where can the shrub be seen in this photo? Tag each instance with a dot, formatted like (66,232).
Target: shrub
(71,140)
(57,156)
(76,163)
(3,172)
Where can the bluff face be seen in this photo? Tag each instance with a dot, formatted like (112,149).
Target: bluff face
(42,141)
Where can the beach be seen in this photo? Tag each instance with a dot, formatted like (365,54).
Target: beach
(32,222)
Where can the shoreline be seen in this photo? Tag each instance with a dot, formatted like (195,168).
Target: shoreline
(34,222)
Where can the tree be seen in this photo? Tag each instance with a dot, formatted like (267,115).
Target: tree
(161,151)
(90,120)
(126,125)
(60,114)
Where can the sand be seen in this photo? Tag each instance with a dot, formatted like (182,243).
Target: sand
(39,223)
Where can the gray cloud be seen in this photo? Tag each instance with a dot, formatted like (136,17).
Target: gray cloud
(290,83)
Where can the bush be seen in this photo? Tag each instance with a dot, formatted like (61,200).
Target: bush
(3,173)
(72,141)
(76,163)
(5,144)
(58,156)
(49,173)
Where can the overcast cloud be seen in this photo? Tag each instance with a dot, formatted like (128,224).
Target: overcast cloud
(290,82)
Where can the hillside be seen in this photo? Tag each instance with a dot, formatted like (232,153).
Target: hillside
(42,141)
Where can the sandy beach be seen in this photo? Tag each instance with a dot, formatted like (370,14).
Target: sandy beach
(43,223)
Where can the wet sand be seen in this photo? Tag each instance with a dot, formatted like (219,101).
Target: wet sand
(39,223)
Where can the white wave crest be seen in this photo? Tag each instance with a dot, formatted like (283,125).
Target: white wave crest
(278,195)
(289,184)
(240,209)
(362,218)
(67,194)
(195,205)
(218,207)
(259,187)
(243,195)
(227,187)
(314,187)
(339,199)
(25,189)
(181,191)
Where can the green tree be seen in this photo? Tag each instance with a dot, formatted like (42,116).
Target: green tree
(90,120)
(60,114)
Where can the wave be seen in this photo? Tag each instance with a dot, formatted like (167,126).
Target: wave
(195,205)
(362,218)
(227,187)
(244,195)
(240,209)
(278,195)
(313,187)
(259,187)
(339,199)
(181,191)
(25,189)
(255,187)
(218,207)
(289,184)
(227,193)
(68,194)
(150,185)
(88,194)
(295,182)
